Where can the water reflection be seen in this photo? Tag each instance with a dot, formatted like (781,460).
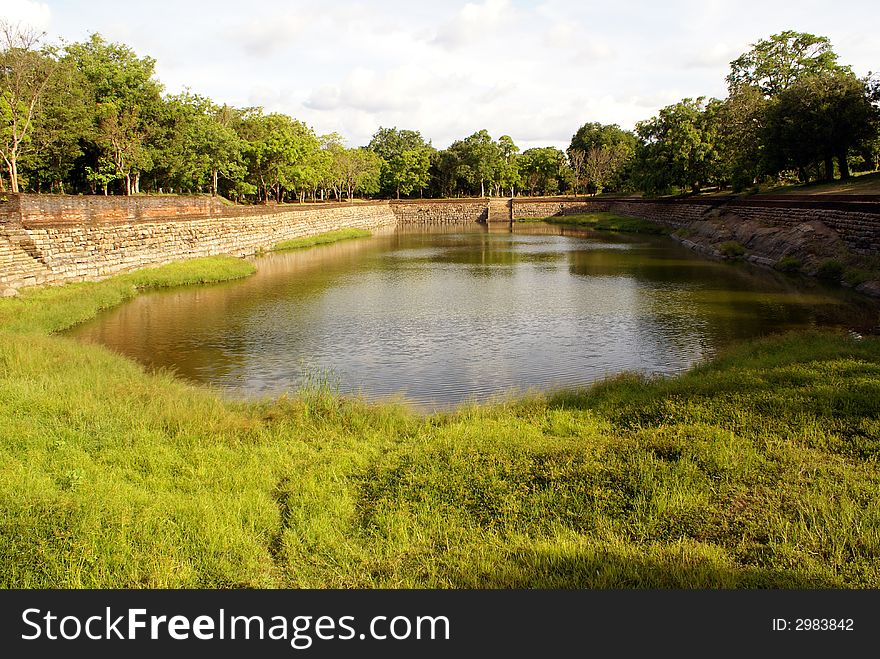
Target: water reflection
(442,314)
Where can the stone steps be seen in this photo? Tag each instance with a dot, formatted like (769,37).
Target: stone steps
(18,268)
(500,210)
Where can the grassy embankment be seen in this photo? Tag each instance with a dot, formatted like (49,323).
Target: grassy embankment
(757,470)
(321,239)
(604,222)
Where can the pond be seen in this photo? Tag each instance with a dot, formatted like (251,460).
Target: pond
(445,315)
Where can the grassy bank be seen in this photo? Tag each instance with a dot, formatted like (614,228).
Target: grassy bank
(757,470)
(321,239)
(604,222)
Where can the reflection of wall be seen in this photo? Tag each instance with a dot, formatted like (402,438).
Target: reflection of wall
(49,239)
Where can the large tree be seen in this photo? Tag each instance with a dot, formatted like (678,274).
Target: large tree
(602,153)
(25,71)
(127,101)
(543,170)
(678,147)
(406,160)
(817,119)
(774,64)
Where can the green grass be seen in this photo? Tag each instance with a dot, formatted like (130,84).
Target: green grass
(861,183)
(55,308)
(759,469)
(605,222)
(321,239)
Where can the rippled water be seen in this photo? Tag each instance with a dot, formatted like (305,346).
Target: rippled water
(445,315)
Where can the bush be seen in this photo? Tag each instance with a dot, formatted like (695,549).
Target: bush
(855,276)
(788,264)
(830,270)
(731,249)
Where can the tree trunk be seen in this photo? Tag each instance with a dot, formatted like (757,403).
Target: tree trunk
(127,184)
(137,183)
(13,175)
(843,165)
(214,183)
(829,168)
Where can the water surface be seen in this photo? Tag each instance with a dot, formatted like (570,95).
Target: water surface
(445,315)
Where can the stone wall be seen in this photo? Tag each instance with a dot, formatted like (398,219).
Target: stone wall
(52,239)
(855,219)
(441,211)
(58,240)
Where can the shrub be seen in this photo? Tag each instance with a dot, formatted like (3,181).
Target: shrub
(789,264)
(731,249)
(855,276)
(830,270)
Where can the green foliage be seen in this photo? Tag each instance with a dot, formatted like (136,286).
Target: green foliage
(601,155)
(678,148)
(543,171)
(406,159)
(831,270)
(127,102)
(774,64)
(855,276)
(26,70)
(789,264)
(818,118)
(731,249)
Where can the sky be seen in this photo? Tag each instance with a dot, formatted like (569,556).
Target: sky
(533,70)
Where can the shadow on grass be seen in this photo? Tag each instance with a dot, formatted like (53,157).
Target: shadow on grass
(550,570)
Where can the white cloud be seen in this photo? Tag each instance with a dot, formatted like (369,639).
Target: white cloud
(266,35)
(36,15)
(473,23)
(535,71)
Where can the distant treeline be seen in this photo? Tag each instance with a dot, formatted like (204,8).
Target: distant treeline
(92,118)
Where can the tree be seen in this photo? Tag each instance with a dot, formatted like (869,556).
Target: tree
(280,154)
(60,129)
(774,64)
(482,156)
(603,152)
(127,100)
(739,123)
(542,170)
(678,147)
(361,169)
(25,71)
(508,172)
(406,160)
(819,118)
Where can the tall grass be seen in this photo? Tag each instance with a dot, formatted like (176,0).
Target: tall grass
(756,470)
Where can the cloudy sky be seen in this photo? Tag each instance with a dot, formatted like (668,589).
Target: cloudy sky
(533,70)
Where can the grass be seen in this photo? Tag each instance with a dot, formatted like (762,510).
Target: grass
(605,222)
(321,239)
(859,184)
(758,469)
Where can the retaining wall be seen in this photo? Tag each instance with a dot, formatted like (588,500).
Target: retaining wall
(50,240)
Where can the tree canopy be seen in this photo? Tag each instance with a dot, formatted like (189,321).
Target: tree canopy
(93,117)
